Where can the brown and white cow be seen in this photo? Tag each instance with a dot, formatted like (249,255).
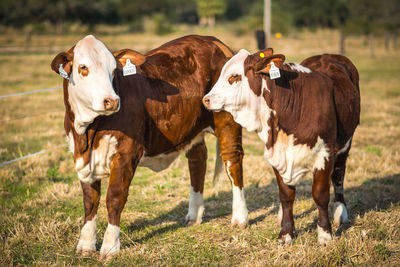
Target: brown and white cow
(306,118)
(116,122)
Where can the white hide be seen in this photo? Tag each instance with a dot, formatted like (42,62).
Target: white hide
(340,213)
(298,67)
(87,239)
(239,208)
(323,236)
(294,161)
(345,148)
(235,98)
(286,239)
(70,142)
(100,160)
(111,242)
(196,207)
(86,94)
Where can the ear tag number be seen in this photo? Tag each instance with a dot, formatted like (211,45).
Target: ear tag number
(274,72)
(62,72)
(129,68)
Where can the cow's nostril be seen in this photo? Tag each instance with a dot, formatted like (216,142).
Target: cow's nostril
(206,101)
(110,104)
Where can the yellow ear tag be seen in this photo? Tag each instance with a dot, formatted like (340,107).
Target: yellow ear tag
(262,55)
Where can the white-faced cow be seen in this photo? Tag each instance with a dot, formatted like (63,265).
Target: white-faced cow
(306,115)
(118,118)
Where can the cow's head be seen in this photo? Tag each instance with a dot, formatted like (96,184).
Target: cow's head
(89,66)
(239,87)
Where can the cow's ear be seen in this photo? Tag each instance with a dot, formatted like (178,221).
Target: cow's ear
(135,57)
(265,53)
(264,65)
(65,60)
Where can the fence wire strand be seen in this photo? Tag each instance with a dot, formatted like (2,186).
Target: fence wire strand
(41,151)
(32,92)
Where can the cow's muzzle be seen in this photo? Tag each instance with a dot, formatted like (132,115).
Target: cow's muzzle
(111,104)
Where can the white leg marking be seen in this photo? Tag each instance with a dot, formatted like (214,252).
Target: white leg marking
(70,141)
(87,239)
(340,213)
(111,243)
(286,239)
(196,207)
(239,208)
(280,214)
(323,236)
(344,149)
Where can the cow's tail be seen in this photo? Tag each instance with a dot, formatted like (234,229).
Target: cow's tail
(219,167)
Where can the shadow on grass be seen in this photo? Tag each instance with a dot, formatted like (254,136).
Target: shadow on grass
(374,194)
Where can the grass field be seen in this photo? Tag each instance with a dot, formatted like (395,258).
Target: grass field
(41,209)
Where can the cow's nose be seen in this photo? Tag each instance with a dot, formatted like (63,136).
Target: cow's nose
(111,104)
(206,101)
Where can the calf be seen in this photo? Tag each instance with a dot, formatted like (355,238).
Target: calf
(305,114)
(122,114)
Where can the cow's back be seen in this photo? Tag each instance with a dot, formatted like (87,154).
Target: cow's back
(168,90)
(346,91)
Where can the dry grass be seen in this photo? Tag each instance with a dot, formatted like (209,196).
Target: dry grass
(41,202)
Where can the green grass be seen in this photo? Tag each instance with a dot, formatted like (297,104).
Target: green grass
(41,201)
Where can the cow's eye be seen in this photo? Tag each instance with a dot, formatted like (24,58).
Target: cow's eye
(83,69)
(235,78)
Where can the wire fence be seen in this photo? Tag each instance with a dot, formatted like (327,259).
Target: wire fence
(32,92)
(4,163)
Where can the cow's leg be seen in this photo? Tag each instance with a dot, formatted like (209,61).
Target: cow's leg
(121,174)
(197,159)
(320,192)
(286,195)
(91,198)
(340,214)
(229,135)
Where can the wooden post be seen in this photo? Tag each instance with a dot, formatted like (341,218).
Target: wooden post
(267,22)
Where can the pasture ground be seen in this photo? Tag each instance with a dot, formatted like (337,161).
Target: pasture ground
(41,210)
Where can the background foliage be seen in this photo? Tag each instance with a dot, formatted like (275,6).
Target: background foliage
(352,16)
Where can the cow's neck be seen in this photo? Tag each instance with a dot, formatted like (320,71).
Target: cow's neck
(285,101)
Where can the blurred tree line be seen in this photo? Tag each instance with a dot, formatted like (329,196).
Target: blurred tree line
(367,17)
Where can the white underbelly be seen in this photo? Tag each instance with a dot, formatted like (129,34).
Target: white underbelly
(162,161)
(294,161)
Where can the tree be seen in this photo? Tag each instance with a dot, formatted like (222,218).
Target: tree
(365,19)
(208,10)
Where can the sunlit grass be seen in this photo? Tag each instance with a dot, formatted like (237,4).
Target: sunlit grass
(41,200)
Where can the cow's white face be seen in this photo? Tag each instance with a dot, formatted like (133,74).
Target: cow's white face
(90,88)
(233,94)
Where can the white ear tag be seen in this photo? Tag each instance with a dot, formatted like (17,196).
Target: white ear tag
(274,72)
(62,72)
(129,68)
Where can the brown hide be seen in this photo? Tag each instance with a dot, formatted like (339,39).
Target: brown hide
(161,111)
(161,106)
(325,102)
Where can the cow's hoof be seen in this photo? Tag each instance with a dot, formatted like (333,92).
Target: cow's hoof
(340,215)
(285,239)
(84,252)
(192,222)
(237,223)
(107,257)
(323,236)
